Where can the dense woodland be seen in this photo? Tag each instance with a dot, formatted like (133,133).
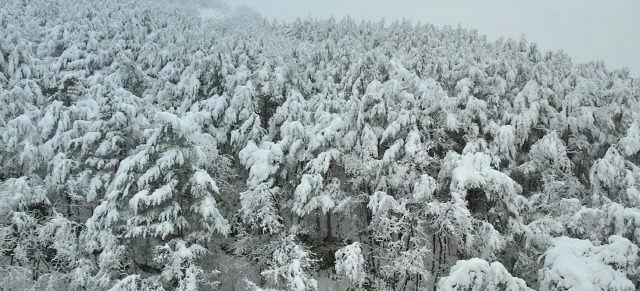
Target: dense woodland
(143,147)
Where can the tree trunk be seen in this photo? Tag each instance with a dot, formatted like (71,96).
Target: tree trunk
(328,237)
(435,266)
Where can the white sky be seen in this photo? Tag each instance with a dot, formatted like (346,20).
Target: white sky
(587,30)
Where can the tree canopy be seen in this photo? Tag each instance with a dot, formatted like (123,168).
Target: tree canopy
(143,147)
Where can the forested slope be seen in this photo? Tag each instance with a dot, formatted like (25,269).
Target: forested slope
(143,147)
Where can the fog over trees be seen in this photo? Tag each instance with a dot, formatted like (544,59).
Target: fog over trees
(145,147)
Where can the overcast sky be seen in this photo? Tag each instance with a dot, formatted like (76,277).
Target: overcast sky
(586,29)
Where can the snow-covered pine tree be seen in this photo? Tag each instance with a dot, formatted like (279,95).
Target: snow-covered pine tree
(164,201)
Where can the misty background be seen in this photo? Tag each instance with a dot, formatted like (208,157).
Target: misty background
(587,30)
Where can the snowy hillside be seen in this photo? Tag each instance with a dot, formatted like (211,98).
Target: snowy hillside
(150,146)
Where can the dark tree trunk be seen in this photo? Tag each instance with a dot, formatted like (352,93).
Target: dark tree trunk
(328,237)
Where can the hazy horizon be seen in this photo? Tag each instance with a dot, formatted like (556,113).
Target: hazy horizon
(586,30)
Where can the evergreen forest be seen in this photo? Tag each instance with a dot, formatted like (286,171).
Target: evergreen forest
(146,147)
